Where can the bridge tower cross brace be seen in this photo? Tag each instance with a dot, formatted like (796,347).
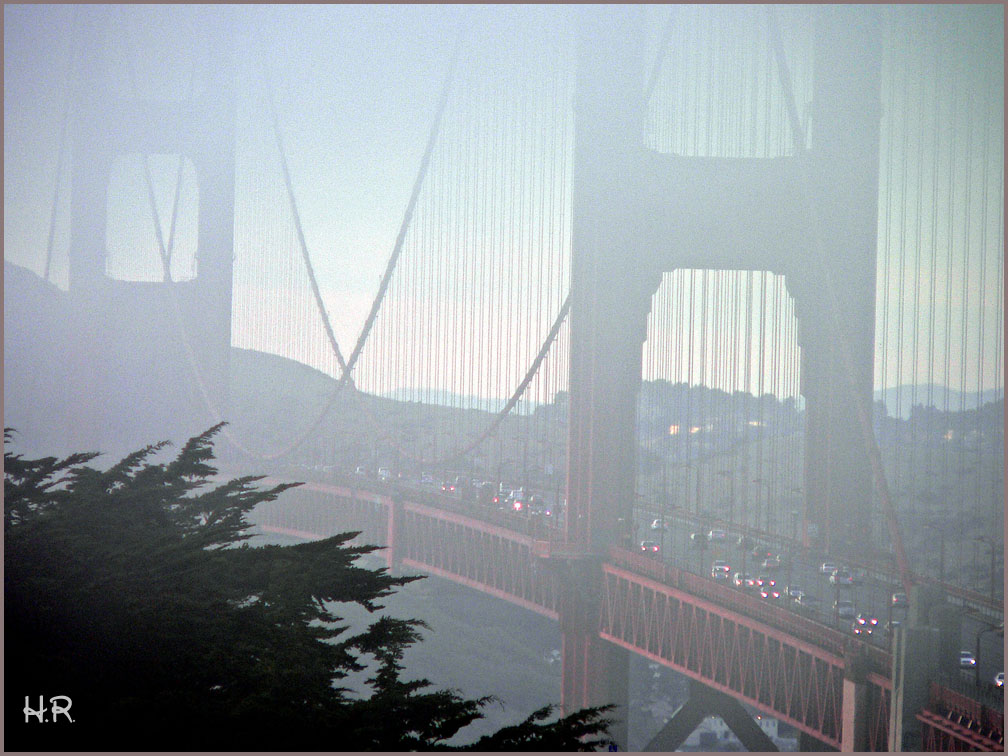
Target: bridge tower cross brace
(637,214)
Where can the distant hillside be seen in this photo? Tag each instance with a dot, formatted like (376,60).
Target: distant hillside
(253,371)
(899,400)
(460,401)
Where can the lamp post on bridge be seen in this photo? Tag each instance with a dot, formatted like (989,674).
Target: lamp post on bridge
(991,544)
(998,628)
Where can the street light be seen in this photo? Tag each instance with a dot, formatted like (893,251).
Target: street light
(991,544)
(998,629)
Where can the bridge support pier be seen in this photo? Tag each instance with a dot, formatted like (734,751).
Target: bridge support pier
(703,702)
(595,672)
(854,709)
(929,637)
(394,547)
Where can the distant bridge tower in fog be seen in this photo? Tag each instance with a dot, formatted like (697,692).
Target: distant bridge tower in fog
(143,352)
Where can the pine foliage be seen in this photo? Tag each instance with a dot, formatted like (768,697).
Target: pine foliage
(133,591)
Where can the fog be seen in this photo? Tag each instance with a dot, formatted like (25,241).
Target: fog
(193,192)
(356,90)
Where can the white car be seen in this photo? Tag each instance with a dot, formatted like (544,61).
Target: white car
(828,568)
(966,660)
(717,535)
(999,679)
(720,566)
(658,524)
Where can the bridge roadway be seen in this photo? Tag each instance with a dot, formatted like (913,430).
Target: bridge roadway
(872,595)
(791,667)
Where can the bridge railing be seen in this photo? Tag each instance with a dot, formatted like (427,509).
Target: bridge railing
(986,715)
(537,526)
(954,689)
(795,625)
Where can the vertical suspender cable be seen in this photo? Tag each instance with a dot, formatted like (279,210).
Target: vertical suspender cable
(963,347)
(917,247)
(935,160)
(982,287)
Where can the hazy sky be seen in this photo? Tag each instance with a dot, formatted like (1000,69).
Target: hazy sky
(363,79)
(357,86)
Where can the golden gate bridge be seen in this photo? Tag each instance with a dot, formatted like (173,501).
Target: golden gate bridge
(653,266)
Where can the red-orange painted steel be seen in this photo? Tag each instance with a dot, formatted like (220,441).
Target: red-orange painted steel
(795,680)
(947,734)
(784,664)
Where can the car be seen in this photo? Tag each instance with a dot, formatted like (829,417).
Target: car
(828,568)
(658,524)
(864,624)
(764,581)
(717,534)
(486,494)
(447,487)
(793,591)
(999,679)
(742,579)
(720,566)
(384,474)
(720,577)
(843,609)
(841,576)
(899,599)
(966,660)
(857,576)
(768,591)
(771,563)
(649,547)
(537,506)
(361,470)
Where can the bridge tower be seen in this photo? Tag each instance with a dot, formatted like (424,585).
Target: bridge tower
(638,214)
(147,358)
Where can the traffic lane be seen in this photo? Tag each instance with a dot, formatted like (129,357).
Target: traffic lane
(871,597)
(868,597)
(989,652)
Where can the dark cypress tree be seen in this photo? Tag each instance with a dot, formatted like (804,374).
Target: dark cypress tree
(133,593)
